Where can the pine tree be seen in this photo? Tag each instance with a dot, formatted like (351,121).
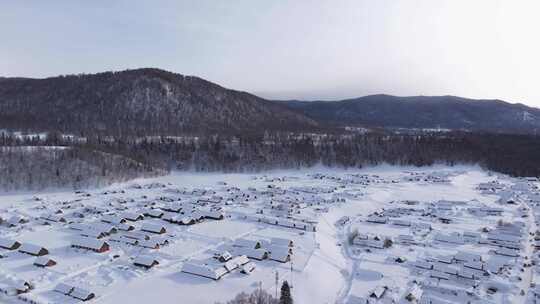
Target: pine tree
(285,297)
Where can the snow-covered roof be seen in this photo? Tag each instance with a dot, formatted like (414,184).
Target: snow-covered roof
(154,212)
(423,265)
(377,219)
(439,275)
(281,242)
(31,249)
(258,254)
(400,222)
(214,272)
(247,243)
(236,262)
(506,236)
(145,260)
(64,288)
(507,252)
(474,265)
(123,239)
(136,235)
(81,294)
(125,227)
(452,238)
(132,216)
(43,260)
(155,228)
(224,256)
(279,253)
(448,259)
(248,267)
(213,214)
(151,243)
(90,243)
(467,256)
(113,219)
(8,243)
(92,233)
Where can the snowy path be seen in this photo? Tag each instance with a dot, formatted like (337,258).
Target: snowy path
(354,266)
(529,251)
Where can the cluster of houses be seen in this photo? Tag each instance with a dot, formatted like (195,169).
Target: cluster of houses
(369,241)
(141,225)
(91,237)
(219,266)
(41,253)
(433,177)
(14,220)
(488,253)
(465,268)
(239,256)
(306,225)
(17,287)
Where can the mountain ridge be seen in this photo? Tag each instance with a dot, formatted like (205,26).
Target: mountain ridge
(150,101)
(452,112)
(139,102)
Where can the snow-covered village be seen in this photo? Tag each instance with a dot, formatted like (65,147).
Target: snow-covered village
(269,152)
(376,235)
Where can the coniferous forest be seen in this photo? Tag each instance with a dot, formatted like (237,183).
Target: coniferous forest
(64,161)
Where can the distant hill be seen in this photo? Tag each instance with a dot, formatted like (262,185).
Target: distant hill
(138,102)
(155,102)
(448,112)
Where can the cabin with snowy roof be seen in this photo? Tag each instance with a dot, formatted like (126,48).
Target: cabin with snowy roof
(44,261)
(256,254)
(253,244)
(145,261)
(130,216)
(82,294)
(153,228)
(113,219)
(95,245)
(155,213)
(32,249)
(199,268)
(280,254)
(9,244)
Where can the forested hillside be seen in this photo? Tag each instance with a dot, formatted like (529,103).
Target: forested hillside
(45,167)
(136,103)
(424,112)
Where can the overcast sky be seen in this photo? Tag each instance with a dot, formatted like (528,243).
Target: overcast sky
(307,49)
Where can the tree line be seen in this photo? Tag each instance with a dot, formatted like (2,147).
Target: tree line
(516,155)
(45,167)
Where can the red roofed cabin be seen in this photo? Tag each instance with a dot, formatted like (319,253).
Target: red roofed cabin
(95,245)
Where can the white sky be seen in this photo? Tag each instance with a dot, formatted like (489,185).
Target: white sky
(307,49)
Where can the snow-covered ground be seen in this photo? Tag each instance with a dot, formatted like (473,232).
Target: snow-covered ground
(411,217)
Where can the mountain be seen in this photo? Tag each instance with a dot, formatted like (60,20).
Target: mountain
(448,112)
(138,102)
(155,102)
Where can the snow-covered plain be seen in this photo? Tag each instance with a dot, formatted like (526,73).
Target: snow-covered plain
(429,216)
